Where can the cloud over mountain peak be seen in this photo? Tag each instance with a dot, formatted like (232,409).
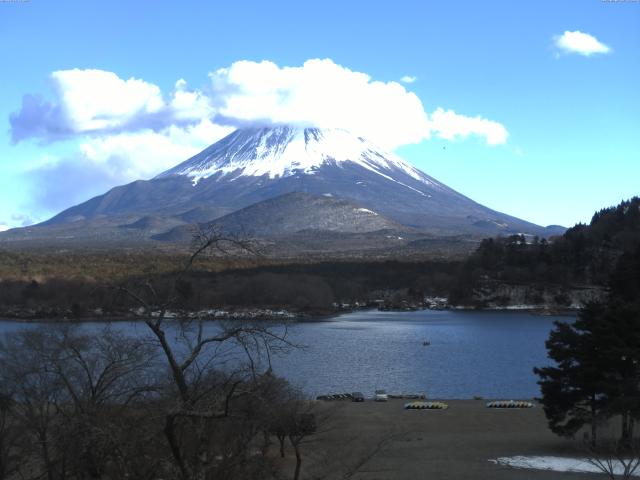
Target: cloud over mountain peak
(124,129)
(319,93)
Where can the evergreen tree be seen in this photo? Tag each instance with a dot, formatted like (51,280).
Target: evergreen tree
(624,283)
(597,371)
(619,332)
(584,254)
(573,391)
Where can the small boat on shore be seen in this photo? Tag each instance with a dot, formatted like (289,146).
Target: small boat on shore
(426,406)
(510,404)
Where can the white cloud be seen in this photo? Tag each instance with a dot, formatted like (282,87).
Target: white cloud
(108,110)
(408,79)
(97,102)
(141,155)
(580,43)
(16,220)
(22,219)
(450,126)
(188,104)
(325,94)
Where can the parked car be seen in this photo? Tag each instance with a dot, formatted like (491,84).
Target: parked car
(381,396)
(357,397)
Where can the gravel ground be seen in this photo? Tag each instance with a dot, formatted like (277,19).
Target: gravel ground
(367,441)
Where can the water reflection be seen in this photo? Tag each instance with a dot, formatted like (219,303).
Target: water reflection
(490,354)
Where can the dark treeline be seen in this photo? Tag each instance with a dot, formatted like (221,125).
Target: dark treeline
(301,287)
(320,285)
(584,255)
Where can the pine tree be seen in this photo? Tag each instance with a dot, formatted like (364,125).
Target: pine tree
(573,391)
(597,371)
(619,331)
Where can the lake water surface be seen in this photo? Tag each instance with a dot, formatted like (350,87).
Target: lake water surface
(490,354)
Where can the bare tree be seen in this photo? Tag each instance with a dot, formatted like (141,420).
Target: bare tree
(38,393)
(198,393)
(8,436)
(293,417)
(303,424)
(187,401)
(106,376)
(614,458)
(70,392)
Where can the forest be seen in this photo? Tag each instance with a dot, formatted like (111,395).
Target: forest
(79,284)
(584,255)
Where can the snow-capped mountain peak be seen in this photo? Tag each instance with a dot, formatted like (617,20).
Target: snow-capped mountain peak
(285,151)
(300,179)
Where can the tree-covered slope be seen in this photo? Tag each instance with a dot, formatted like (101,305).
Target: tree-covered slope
(584,255)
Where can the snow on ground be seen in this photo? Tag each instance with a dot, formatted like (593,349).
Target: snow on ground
(556,464)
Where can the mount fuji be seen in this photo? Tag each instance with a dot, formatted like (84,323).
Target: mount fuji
(277,182)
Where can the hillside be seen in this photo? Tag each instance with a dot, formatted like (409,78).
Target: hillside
(515,269)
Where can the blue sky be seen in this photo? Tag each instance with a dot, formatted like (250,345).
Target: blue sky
(570,143)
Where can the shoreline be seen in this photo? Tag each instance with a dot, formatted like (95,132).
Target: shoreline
(17,314)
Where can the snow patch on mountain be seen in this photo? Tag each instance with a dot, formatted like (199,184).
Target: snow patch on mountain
(366,210)
(285,151)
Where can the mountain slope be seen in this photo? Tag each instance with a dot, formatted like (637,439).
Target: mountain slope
(294,213)
(254,165)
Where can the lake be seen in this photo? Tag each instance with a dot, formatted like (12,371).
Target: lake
(490,354)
